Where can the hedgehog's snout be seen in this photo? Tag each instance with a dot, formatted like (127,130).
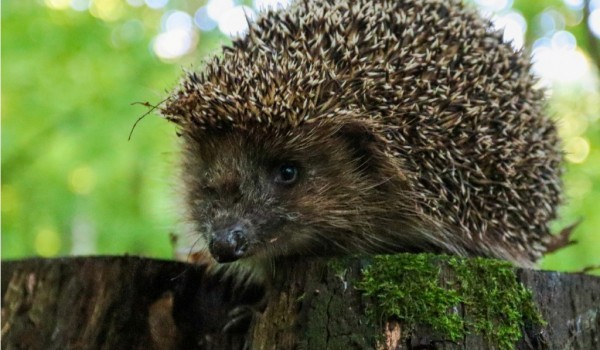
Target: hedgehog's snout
(229,244)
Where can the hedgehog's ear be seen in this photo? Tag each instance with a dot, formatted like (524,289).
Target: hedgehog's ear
(363,142)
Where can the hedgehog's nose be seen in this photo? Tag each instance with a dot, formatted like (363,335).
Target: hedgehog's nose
(229,244)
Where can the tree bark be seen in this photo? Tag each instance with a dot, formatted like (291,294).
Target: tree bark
(136,303)
(113,303)
(317,307)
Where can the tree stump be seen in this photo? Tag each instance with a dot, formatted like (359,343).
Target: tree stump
(114,303)
(137,303)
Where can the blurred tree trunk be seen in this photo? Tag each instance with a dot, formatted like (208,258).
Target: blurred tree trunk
(592,41)
(136,303)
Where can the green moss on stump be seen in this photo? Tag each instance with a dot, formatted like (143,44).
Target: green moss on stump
(413,289)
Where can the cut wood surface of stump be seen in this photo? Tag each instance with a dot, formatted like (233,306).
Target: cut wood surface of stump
(138,303)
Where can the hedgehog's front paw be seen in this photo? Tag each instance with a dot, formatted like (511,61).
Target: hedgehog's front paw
(240,319)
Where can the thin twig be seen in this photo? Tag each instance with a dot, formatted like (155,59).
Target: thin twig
(152,109)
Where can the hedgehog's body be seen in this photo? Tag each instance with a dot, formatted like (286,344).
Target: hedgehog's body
(368,126)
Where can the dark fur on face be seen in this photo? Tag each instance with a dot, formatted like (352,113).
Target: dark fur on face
(338,201)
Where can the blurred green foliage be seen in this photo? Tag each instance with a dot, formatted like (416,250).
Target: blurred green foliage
(72,183)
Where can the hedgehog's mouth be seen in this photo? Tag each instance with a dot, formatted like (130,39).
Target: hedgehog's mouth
(243,239)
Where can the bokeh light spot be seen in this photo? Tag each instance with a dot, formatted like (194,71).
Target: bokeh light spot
(58,4)
(80,5)
(563,40)
(594,22)
(551,21)
(175,20)
(156,4)
(514,26)
(274,4)
(235,21)
(82,180)
(558,59)
(572,125)
(135,3)
(574,4)
(128,32)
(494,5)
(10,200)
(203,20)
(47,242)
(577,149)
(217,8)
(107,10)
(174,43)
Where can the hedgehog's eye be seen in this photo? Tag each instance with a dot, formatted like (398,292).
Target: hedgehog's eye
(287,174)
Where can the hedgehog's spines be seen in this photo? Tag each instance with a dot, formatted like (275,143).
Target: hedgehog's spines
(454,104)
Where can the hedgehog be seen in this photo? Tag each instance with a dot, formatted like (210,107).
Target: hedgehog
(345,127)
